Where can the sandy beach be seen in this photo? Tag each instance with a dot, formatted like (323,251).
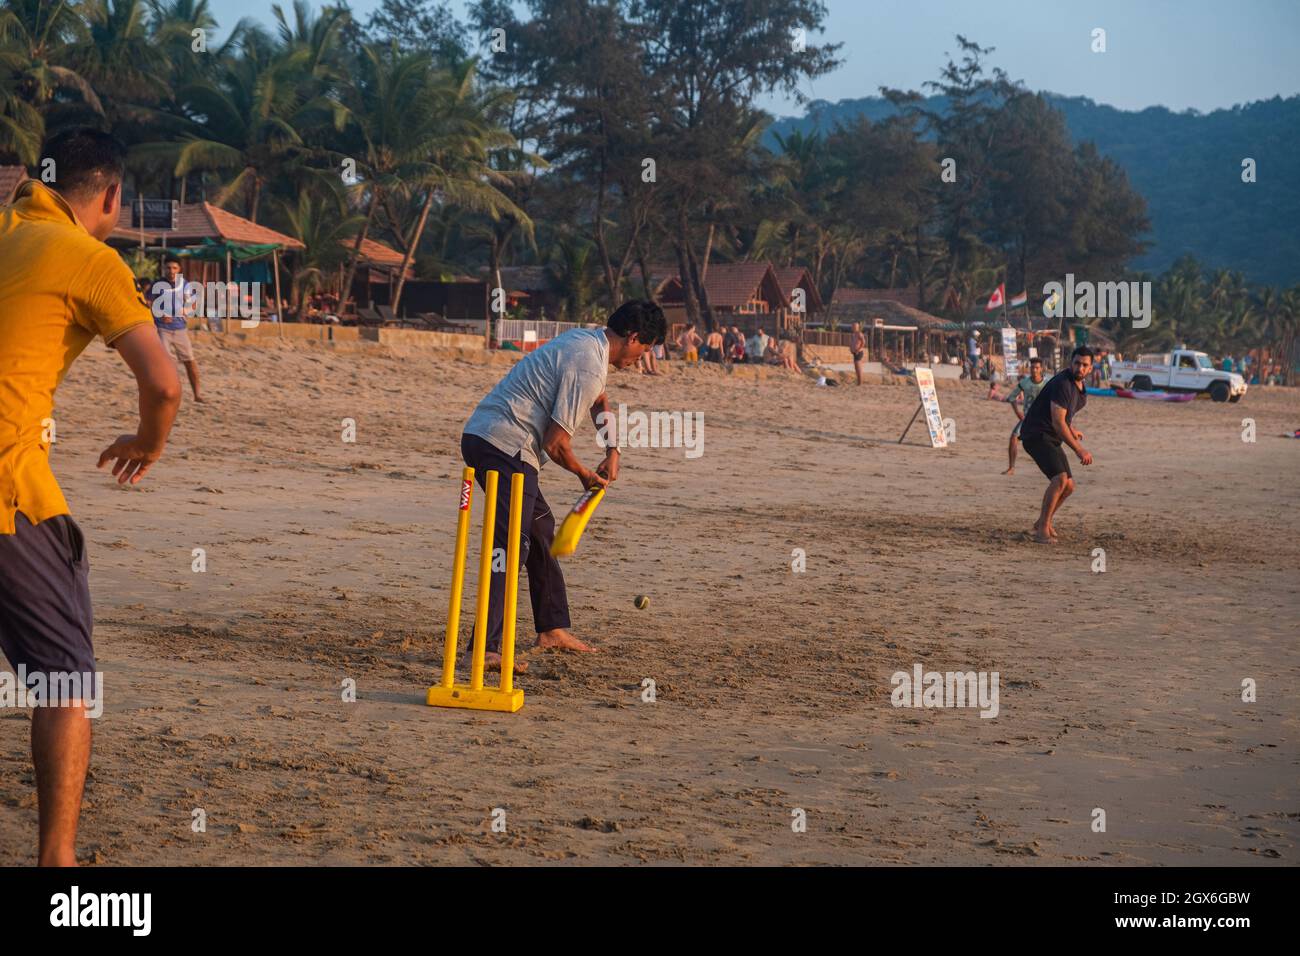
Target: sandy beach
(330,561)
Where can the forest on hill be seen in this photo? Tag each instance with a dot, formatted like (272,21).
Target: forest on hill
(1186,165)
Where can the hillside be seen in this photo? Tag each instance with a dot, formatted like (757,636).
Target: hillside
(1187,165)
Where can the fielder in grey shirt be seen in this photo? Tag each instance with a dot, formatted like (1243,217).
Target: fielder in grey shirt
(529,418)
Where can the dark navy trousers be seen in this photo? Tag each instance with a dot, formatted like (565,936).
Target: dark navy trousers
(537,531)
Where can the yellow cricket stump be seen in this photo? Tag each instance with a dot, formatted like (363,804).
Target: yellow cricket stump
(474,696)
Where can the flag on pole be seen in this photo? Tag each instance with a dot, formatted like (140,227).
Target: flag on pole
(1019,300)
(996,299)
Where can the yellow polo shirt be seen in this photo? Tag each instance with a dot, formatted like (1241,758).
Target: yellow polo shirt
(59,288)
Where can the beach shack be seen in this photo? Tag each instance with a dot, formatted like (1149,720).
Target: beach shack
(215,245)
(744,294)
(896,331)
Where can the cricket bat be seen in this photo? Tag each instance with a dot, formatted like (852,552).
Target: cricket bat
(566,539)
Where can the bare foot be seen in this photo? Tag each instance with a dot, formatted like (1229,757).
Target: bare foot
(1041,538)
(559,639)
(492,662)
(201,401)
(1010,471)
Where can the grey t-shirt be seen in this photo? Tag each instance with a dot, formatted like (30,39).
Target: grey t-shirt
(559,382)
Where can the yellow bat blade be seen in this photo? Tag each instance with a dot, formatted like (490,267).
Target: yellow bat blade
(566,539)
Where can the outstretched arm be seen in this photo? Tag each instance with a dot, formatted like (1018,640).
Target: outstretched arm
(160,397)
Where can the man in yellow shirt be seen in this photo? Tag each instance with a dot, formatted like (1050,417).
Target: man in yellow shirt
(60,287)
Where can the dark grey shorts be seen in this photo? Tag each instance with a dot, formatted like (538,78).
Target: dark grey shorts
(45,613)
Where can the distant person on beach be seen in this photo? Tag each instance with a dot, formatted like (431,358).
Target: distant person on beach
(1029,387)
(973,353)
(648,364)
(858,346)
(772,356)
(531,417)
(1047,425)
(729,336)
(60,288)
(713,347)
(689,342)
(788,355)
(170,310)
(738,344)
(756,347)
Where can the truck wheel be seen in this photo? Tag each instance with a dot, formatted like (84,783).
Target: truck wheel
(1219,391)
(1141,383)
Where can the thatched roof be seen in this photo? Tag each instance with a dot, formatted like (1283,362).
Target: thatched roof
(888,311)
(731,286)
(846,296)
(202,220)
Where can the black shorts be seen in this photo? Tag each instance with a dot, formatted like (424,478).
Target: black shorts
(45,613)
(1048,455)
(857,356)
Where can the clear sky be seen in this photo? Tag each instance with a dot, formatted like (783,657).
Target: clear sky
(1198,54)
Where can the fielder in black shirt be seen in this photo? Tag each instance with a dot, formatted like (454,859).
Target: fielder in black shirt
(1049,422)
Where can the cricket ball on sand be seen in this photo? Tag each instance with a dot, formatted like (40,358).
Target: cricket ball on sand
(642,602)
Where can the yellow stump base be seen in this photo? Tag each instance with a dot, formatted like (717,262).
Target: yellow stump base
(485,698)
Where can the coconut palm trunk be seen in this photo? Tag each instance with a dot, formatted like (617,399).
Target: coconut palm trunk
(356,250)
(410,249)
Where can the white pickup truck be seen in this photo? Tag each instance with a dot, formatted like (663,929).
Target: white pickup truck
(1181,370)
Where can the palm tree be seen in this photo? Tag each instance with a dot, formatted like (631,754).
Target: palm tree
(458,170)
(797,195)
(22,128)
(1279,322)
(36,41)
(572,277)
(411,130)
(319,219)
(172,26)
(122,59)
(248,121)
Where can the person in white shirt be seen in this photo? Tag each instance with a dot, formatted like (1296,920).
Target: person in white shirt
(170,310)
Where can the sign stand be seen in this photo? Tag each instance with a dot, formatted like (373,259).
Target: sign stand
(919,409)
(930,405)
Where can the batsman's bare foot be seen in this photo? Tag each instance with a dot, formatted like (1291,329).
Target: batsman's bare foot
(1010,471)
(559,639)
(492,662)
